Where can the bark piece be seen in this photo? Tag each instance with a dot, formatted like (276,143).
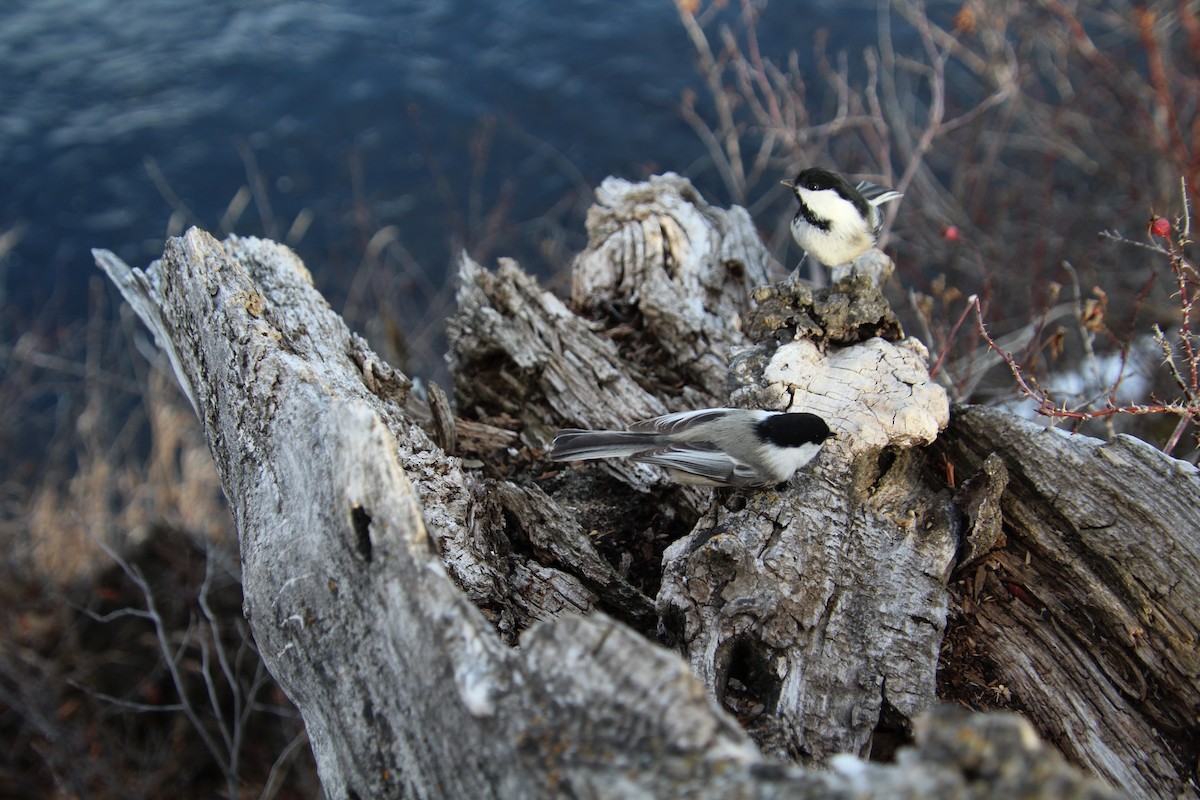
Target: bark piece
(980,502)
(445,430)
(687,268)
(567,544)
(1088,615)
(520,352)
(852,310)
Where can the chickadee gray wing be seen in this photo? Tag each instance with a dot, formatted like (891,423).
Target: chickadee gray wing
(680,421)
(702,464)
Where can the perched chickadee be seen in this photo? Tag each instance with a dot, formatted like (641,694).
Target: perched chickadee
(710,446)
(836,222)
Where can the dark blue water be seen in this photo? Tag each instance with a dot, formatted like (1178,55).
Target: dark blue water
(363,112)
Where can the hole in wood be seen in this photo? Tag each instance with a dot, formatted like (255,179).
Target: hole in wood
(893,731)
(751,686)
(670,627)
(887,457)
(360,520)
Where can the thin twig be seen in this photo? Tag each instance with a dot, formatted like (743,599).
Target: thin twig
(274,777)
(1046,406)
(972,302)
(171,662)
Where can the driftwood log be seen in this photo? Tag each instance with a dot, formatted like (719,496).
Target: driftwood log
(454,616)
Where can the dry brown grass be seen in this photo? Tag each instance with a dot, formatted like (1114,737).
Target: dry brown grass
(126,669)
(115,504)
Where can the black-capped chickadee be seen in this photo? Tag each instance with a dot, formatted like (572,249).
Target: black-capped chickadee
(710,446)
(836,222)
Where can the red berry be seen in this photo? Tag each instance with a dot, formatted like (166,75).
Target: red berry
(1160,227)
(950,233)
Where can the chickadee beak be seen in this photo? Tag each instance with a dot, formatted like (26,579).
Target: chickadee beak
(788,184)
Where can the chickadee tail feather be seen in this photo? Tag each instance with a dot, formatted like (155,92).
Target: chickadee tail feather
(578,445)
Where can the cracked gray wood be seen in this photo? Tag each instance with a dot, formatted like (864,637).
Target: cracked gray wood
(1089,608)
(440,628)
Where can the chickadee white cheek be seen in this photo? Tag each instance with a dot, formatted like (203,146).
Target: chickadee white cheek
(786,461)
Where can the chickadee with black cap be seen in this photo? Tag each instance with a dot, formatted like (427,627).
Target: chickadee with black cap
(836,222)
(708,447)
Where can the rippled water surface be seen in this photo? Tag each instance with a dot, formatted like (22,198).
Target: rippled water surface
(108,105)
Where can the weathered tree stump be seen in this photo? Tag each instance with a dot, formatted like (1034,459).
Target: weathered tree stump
(456,617)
